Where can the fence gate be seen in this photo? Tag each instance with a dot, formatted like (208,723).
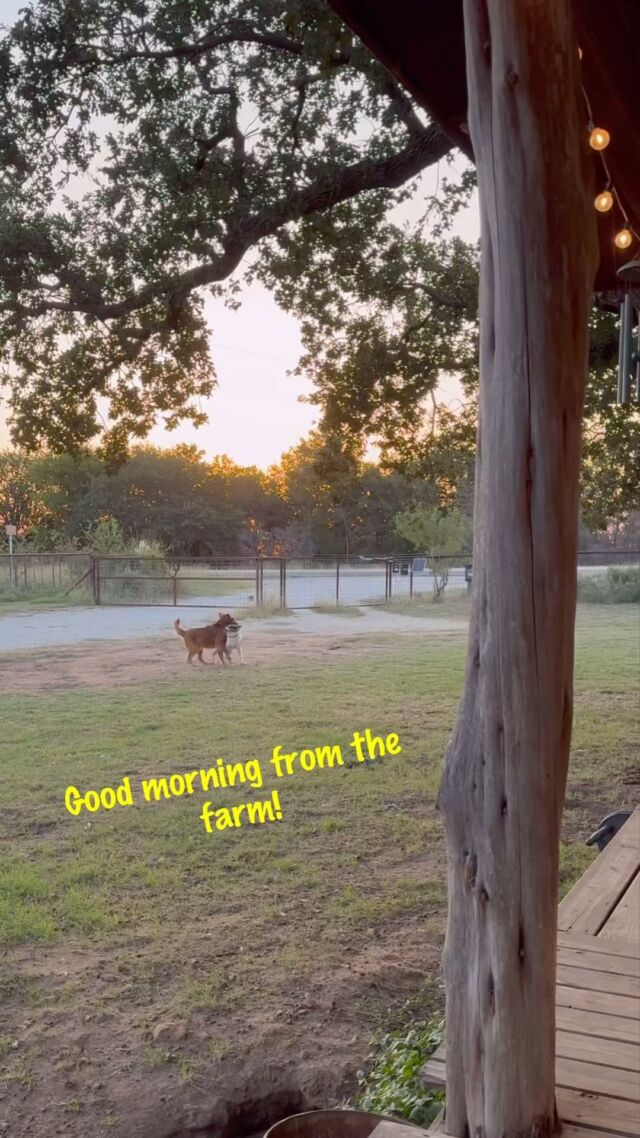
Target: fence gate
(189,582)
(231,583)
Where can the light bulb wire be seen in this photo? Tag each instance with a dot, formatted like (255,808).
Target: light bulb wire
(605,166)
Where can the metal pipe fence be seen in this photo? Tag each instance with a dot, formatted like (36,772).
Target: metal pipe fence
(265,582)
(27,574)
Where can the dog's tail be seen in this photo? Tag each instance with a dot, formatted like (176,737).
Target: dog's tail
(176,625)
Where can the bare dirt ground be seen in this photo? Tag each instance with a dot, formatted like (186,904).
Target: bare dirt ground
(90,663)
(297,1050)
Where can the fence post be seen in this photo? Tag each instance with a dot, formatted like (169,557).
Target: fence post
(258,563)
(283,583)
(96,591)
(174,586)
(337,580)
(411,582)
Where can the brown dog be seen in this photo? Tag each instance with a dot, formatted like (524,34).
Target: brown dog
(211,636)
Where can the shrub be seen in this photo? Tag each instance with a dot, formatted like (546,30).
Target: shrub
(619,585)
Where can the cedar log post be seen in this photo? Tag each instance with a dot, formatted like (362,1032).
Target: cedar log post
(505,774)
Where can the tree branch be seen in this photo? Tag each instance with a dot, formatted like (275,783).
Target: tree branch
(89,55)
(327,191)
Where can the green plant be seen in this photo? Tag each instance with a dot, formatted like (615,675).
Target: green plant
(105,536)
(620,585)
(441,535)
(392,1082)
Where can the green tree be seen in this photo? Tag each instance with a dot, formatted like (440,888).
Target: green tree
(19,504)
(64,484)
(320,482)
(146,150)
(441,537)
(377,351)
(610,474)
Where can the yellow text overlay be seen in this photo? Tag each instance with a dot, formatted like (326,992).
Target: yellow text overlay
(224,776)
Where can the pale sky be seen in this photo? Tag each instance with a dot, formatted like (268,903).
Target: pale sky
(255,414)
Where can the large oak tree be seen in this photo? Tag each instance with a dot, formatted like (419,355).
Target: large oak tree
(147,149)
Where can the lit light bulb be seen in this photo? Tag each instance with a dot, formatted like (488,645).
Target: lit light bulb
(604,201)
(623,239)
(599,138)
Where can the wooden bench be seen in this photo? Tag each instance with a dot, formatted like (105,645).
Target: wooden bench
(597,997)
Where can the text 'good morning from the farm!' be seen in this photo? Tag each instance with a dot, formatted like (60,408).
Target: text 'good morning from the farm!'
(223,776)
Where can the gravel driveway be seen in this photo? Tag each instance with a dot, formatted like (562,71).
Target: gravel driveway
(48,627)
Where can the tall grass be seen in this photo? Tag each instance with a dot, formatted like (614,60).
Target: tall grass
(619,585)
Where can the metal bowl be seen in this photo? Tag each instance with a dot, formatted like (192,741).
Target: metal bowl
(338,1124)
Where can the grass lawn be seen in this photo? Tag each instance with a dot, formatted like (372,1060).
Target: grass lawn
(180,959)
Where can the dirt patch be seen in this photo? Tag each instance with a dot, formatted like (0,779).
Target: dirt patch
(127,662)
(93,1051)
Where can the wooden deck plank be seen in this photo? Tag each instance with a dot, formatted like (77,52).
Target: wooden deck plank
(568,1131)
(625,918)
(604,1002)
(588,905)
(574,1106)
(625,949)
(582,1132)
(599,959)
(601,1026)
(575,976)
(599,1110)
(591,1049)
(434,1072)
(594,1079)
(574,1074)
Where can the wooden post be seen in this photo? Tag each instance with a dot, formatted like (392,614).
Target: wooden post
(506,766)
(283,583)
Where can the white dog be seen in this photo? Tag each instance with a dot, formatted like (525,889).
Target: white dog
(234,640)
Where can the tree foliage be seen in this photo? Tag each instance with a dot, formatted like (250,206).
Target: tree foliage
(316,501)
(146,149)
(442,535)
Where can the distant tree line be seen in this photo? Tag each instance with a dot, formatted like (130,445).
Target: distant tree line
(324,497)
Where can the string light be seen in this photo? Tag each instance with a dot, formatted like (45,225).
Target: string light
(623,238)
(599,138)
(604,201)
